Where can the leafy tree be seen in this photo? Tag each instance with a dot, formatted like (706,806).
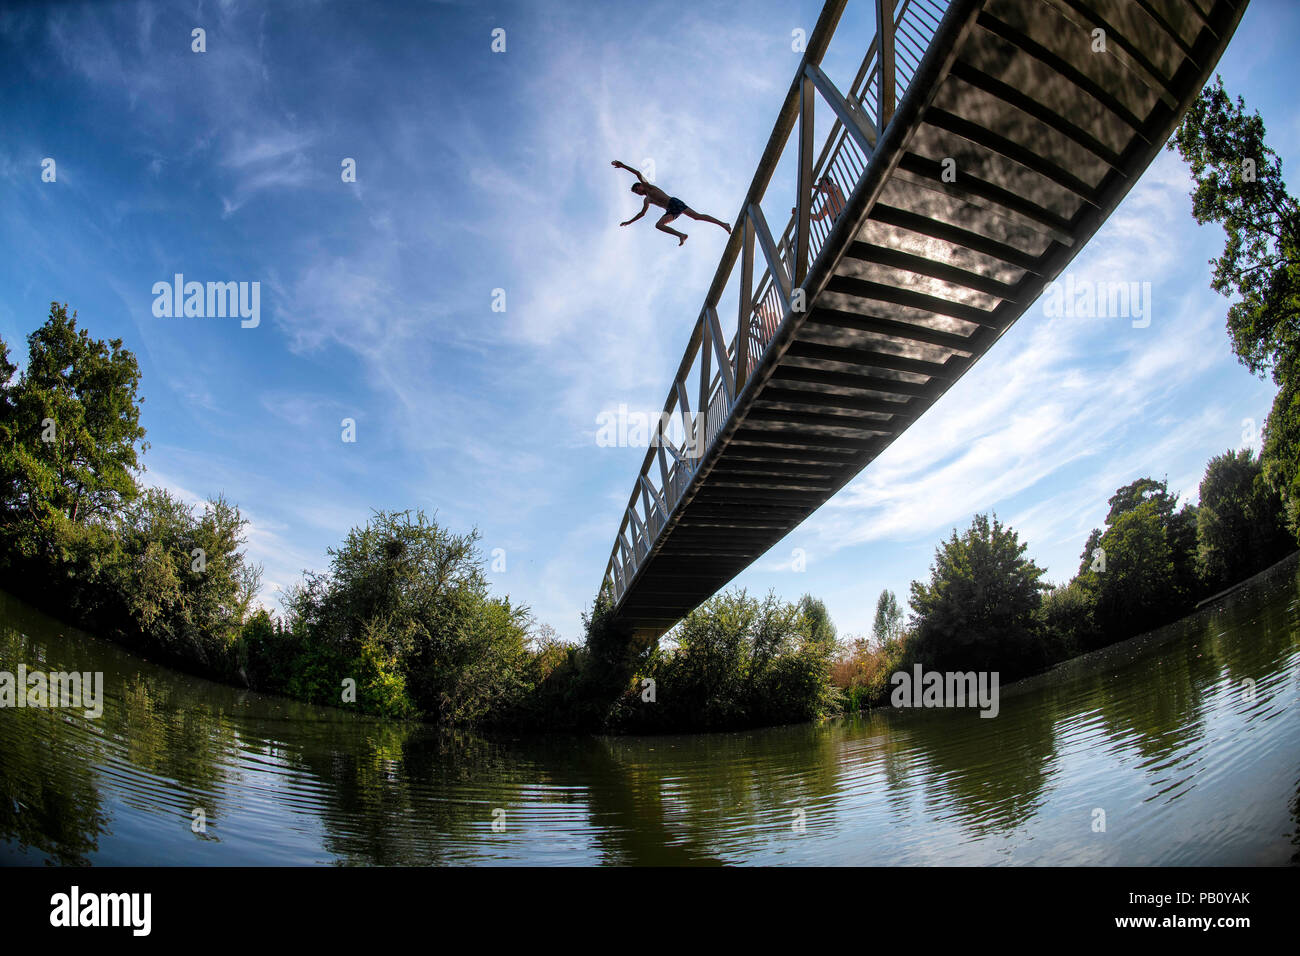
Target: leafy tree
(73,423)
(611,655)
(187,585)
(1179,531)
(1241,523)
(737,661)
(1139,587)
(409,600)
(1091,555)
(7,370)
(979,610)
(1280,454)
(8,455)
(815,622)
(79,536)
(1069,620)
(1136,493)
(1239,183)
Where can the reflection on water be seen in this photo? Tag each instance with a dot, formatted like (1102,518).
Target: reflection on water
(1161,734)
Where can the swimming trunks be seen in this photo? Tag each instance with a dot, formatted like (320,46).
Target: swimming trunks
(675,206)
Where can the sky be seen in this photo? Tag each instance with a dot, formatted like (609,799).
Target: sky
(482,179)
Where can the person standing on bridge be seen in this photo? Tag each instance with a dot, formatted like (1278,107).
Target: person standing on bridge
(832,201)
(674,207)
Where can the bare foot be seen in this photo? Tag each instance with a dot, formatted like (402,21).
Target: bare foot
(682,241)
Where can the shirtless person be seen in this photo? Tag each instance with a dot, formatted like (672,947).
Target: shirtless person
(674,206)
(832,202)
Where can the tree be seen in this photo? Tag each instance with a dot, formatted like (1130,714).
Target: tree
(187,584)
(74,425)
(1139,588)
(1179,530)
(1238,182)
(1068,619)
(612,653)
(888,624)
(7,370)
(737,661)
(1241,523)
(1137,493)
(979,610)
(8,455)
(814,621)
(408,601)
(1280,454)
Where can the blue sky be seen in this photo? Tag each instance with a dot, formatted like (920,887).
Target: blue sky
(479,171)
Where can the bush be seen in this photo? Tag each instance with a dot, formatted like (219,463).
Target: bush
(737,662)
(405,611)
(1069,624)
(185,582)
(862,669)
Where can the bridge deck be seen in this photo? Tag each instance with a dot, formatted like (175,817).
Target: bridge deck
(920,273)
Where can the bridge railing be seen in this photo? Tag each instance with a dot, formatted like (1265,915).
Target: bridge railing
(824,185)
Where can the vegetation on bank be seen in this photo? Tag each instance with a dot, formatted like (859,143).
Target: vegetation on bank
(986,606)
(403,623)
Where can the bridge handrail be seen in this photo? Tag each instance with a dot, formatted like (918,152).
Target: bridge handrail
(763,307)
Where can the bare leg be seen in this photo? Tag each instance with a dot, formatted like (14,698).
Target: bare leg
(700,217)
(662,226)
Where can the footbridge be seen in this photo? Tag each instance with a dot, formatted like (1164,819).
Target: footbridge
(977,149)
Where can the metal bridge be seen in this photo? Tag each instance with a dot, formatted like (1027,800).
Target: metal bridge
(979,147)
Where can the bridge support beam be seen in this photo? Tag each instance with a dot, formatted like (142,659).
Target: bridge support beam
(706,379)
(803,212)
(773,256)
(858,126)
(885,87)
(720,350)
(746,304)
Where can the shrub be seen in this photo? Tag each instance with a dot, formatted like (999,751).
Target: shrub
(185,582)
(405,598)
(1068,622)
(736,662)
(862,669)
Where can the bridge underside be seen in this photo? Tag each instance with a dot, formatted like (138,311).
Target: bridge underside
(923,272)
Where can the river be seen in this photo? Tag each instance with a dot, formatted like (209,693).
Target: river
(1162,740)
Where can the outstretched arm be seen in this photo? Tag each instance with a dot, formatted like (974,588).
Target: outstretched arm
(644,206)
(622,165)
